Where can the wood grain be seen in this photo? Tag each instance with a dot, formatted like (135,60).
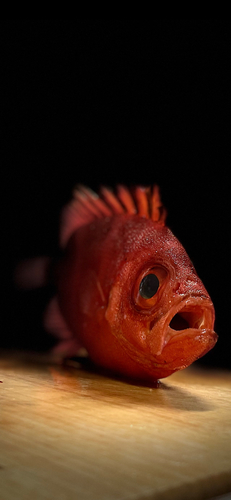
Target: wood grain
(68,433)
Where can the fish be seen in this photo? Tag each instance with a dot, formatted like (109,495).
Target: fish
(127,292)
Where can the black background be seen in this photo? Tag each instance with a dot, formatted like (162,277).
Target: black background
(106,101)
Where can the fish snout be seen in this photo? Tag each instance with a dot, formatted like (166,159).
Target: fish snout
(193,318)
(187,333)
(192,313)
(191,287)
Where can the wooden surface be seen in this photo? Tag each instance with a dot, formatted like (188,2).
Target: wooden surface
(70,434)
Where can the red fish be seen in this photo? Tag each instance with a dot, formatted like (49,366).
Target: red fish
(126,288)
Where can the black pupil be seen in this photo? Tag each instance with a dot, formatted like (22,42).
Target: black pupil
(149,286)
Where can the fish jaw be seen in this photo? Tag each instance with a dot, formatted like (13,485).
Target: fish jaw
(188,334)
(159,347)
(186,347)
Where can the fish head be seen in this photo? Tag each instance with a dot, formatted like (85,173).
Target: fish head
(159,309)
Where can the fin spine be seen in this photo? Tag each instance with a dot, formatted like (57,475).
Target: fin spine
(87,206)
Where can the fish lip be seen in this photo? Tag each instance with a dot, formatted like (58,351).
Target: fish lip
(199,312)
(181,347)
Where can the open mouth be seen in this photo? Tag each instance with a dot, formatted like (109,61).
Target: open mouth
(188,334)
(192,316)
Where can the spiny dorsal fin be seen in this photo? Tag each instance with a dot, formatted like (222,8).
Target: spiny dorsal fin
(87,206)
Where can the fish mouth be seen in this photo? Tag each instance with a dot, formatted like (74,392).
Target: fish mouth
(189,332)
(191,315)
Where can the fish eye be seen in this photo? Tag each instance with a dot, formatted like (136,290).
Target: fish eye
(149,286)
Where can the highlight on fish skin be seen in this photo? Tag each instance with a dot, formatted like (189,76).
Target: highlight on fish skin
(127,291)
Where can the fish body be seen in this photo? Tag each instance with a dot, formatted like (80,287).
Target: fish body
(126,288)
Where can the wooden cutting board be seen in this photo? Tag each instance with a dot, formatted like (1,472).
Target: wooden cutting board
(68,433)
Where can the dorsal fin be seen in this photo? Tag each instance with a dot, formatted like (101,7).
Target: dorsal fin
(87,206)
